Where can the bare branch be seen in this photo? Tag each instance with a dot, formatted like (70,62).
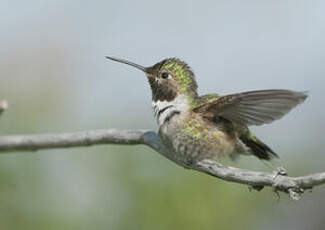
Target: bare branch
(257,180)
(66,140)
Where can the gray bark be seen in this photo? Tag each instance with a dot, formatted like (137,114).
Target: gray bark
(294,186)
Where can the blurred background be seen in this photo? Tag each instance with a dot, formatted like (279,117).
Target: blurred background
(55,77)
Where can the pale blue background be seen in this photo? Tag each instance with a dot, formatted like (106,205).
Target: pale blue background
(55,77)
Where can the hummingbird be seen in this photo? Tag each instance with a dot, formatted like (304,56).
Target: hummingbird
(210,126)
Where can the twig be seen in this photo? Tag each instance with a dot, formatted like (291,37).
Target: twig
(294,186)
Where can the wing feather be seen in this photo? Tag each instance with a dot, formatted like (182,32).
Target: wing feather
(254,107)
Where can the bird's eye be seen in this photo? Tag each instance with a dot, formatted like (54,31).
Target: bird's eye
(165,75)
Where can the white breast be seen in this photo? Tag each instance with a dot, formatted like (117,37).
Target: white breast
(167,110)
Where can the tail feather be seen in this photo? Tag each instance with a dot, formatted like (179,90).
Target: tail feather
(257,147)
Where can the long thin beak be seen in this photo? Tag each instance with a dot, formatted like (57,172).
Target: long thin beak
(128,63)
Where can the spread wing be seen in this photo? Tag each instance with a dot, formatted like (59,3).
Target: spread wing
(252,108)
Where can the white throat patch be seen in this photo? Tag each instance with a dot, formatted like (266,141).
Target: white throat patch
(164,110)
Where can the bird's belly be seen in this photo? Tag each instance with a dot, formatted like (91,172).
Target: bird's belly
(194,140)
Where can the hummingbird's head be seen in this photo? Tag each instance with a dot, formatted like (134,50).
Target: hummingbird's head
(168,78)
